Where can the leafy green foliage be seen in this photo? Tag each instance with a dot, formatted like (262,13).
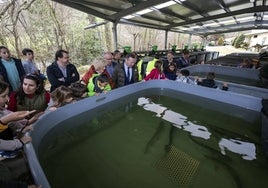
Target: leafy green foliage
(46,26)
(238,41)
(220,41)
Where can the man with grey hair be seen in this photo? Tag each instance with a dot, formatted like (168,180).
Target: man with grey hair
(110,64)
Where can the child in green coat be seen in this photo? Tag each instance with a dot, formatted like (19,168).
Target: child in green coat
(98,83)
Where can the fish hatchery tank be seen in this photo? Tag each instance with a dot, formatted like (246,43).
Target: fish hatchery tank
(244,76)
(231,79)
(156,139)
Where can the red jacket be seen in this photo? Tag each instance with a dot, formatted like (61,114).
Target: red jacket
(155,74)
(92,71)
(12,105)
(88,74)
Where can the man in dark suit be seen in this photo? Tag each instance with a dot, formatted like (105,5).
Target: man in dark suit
(61,72)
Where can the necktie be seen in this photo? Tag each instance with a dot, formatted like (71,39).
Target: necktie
(128,74)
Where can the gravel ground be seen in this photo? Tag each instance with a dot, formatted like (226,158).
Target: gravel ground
(224,50)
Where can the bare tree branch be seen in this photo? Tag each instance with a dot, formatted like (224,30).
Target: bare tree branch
(6,8)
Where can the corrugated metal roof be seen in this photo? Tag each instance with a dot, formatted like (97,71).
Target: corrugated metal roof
(198,17)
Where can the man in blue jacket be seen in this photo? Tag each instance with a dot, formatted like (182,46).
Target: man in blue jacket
(61,72)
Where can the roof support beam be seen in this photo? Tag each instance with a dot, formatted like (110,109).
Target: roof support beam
(228,14)
(82,2)
(84,9)
(172,19)
(137,8)
(142,24)
(194,8)
(235,30)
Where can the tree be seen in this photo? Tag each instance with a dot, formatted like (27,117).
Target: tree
(220,41)
(11,14)
(238,41)
(45,27)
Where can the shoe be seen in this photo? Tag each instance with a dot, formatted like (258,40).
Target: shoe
(9,154)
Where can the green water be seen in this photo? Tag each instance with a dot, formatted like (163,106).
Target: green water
(156,142)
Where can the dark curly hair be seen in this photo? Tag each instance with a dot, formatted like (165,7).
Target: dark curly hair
(3,86)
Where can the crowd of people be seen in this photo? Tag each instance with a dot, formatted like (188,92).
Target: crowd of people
(23,97)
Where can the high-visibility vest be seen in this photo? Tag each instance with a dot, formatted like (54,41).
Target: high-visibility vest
(150,65)
(139,65)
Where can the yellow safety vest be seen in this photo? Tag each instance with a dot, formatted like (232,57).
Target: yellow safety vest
(139,64)
(150,66)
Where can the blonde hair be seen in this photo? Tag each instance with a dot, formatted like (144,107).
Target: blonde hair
(99,63)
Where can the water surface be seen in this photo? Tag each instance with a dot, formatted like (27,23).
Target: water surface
(157,141)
